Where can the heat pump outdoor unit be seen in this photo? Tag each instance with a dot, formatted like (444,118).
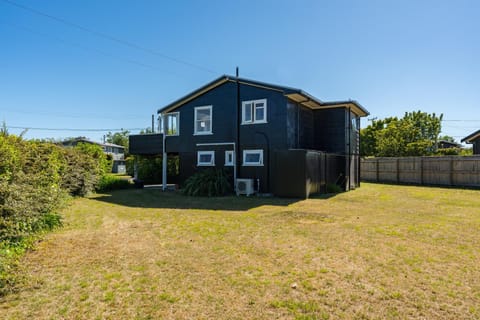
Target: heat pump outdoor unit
(245,186)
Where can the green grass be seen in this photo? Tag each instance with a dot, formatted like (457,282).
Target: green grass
(379,252)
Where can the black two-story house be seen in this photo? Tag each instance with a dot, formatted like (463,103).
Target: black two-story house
(287,141)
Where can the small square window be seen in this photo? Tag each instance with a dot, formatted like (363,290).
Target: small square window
(206,158)
(253,157)
(229,158)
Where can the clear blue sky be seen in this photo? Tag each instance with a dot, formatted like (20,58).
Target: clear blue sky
(60,67)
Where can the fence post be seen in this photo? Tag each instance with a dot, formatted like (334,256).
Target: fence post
(326,171)
(451,171)
(398,170)
(377,173)
(421,171)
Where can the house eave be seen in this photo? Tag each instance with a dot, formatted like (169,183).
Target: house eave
(209,86)
(311,102)
(469,139)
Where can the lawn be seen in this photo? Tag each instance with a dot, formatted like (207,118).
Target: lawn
(379,252)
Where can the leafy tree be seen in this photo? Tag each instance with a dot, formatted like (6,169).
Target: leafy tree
(447,138)
(416,134)
(119,138)
(147,130)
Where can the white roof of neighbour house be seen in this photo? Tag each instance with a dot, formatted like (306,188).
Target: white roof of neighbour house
(111,145)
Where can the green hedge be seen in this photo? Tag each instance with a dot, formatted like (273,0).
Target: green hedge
(111,182)
(36,179)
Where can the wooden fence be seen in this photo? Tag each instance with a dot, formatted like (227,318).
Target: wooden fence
(445,171)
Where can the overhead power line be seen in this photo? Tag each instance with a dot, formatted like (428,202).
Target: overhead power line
(76,115)
(71,129)
(95,50)
(461,120)
(107,36)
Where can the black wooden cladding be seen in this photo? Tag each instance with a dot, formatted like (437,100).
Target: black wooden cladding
(476,146)
(146,144)
(285,172)
(301,173)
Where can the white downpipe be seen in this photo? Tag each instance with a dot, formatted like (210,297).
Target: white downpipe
(164,156)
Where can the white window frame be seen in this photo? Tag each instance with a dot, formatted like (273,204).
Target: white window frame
(164,123)
(229,163)
(253,151)
(195,133)
(206,164)
(253,107)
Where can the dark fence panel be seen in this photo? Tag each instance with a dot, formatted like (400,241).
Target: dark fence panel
(301,173)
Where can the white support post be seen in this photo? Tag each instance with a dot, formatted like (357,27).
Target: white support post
(164,156)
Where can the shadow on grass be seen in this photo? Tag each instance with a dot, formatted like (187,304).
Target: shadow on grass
(155,198)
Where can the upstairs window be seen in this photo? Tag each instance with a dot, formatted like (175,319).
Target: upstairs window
(355,123)
(253,157)
(206,158)
(171,124)
(254,111)
(203,120)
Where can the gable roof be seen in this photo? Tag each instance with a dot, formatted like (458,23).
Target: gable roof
(74,141)
(293,94)
(473,136)
(449,143)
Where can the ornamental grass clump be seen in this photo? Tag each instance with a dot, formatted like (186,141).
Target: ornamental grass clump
(208,183)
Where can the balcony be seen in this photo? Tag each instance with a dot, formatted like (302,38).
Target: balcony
(146,144)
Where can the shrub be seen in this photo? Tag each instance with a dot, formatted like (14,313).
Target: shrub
(149,169)
(333,188)
(35,180)
(209,182)
(111,182)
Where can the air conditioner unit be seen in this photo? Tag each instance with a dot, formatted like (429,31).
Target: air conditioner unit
(245,186)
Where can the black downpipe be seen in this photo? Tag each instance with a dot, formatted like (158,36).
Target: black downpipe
(239,116)
(267,160)
(349,149)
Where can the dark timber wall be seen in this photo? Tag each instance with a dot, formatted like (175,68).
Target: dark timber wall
(330,125)
(476,146)
(146,144)
(289,126)
(301,173)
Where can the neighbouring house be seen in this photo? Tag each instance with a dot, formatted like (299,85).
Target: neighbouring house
(279,139)
(116,152)
(445,144)
(473,139)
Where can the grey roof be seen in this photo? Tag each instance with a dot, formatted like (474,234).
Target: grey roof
(106,144)
(297,95)
(85,140)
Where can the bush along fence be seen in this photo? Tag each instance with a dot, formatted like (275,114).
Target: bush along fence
(35,180)
(443,171)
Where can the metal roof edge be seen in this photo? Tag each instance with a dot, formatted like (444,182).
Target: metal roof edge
(471,137)
(285,89)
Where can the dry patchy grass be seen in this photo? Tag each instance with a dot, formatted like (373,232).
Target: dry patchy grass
(378,252)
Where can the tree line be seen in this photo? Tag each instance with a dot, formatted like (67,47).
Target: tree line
(415,134)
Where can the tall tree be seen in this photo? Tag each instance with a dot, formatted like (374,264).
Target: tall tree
(119,138)
(416,134)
